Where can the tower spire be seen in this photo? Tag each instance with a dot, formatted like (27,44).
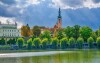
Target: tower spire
(59,16)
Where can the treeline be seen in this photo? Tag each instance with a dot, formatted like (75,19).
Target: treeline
(69,37)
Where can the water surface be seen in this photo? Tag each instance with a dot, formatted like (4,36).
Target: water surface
(81,56)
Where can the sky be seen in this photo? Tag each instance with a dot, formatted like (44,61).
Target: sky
(45,12)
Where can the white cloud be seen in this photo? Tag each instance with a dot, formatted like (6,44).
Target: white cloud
(75,4)
(4,20)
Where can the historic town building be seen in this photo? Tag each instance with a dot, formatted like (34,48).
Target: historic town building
(9,30)
(57,26)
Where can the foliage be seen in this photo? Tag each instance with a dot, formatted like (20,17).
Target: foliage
(11,41)
(29,42)
(94,36)
(55,43)
(64,43)
(76,31)
(90,40)
(37,42)
(20,42)
(85,32)
(44,43)
(72,42)
(69,31)
(2,41)
(98,42)
(60,34)
(80,42)
(46,34)
(36,31)
(25,31)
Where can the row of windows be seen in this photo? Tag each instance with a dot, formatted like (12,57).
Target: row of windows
(10,35)
(10,30)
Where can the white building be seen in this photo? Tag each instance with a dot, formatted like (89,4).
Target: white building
(9,30)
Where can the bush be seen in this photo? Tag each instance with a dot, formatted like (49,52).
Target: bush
(11,41)
(72,42)
(36,42)
(90,40)
(98,42)
(55,43)
(2,41)
(64,43)
(80,42)
(20,42)
(5,47)
(44,43)
(29,43)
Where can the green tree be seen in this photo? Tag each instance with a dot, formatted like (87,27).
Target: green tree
(44,43)
(2,41)
(94,36)
(69,31)
(37,42)
(60,34)
(20,42)
(85,32)
(36,31)
(46,34)
(76,31)
(29,42)
(98,32)
(90,40)
(80,42)
(64,43)
(55,43)
(98,42)
(72,42)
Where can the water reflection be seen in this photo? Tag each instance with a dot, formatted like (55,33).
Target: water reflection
(74,57)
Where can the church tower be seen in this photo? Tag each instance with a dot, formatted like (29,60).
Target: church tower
(59,23)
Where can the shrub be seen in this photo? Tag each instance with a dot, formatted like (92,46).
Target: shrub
(20,42)
(44,43)
(80,42)
(2,41)
(55,43)
(29,42)
(72,42)
(36,42)
(64,43)
(98,42)
(90,40)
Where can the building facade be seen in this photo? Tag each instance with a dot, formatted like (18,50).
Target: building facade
(9,31)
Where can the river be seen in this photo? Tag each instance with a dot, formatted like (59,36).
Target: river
(80,56)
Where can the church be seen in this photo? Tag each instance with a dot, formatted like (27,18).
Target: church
(57,26)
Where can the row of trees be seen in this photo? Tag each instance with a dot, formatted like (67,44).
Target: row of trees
(8,42)
(54,43)
(76,31)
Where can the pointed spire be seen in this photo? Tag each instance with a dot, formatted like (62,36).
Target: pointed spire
(59,16)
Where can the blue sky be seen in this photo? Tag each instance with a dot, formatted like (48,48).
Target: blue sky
(45,12)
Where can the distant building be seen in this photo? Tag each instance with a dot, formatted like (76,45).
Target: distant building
(57,26)
(9,30)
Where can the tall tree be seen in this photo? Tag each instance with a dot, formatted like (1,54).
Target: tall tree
(46,34)
(69,31)
(60,34)
(25,31)
(94,36)
(85,32)
(76,31)
(36,31)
